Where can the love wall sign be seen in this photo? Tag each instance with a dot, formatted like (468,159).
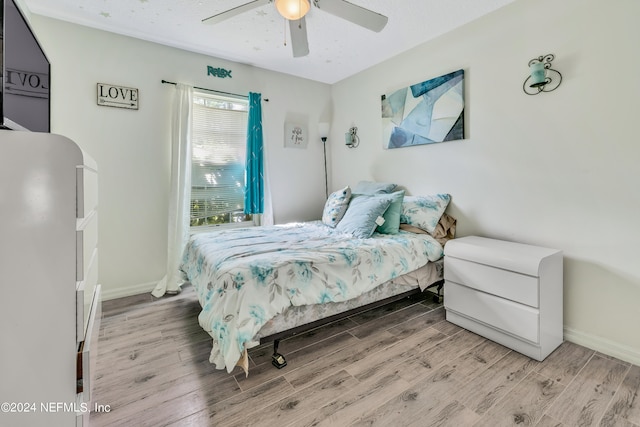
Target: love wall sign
(117,96)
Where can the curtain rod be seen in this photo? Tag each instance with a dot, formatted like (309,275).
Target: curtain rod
(213,90)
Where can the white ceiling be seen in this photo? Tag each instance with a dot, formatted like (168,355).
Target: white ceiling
(338,48)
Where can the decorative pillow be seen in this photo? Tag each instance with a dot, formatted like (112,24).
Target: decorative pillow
(392,215)
(424,211)
(445,230)
(336,206)
(362,214)
(370,187)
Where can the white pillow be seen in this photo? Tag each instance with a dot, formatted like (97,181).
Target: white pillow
(336,206)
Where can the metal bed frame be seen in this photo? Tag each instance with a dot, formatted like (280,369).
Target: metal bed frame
(279,361)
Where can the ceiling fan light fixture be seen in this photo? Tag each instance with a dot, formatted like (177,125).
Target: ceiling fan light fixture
(293,9)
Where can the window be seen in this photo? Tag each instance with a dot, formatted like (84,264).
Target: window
(219,138)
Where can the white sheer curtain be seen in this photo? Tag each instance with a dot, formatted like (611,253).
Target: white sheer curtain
(178,227)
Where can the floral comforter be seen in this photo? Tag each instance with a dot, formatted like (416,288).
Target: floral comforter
(246,276)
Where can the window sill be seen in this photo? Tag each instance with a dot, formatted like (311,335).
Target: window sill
(209,228)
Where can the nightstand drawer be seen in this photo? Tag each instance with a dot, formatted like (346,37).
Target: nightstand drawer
(506,284)
(508,316)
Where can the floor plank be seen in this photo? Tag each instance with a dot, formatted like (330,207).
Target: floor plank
(425,362)
(589,394)
(547,421)
(374,325)
(348,408)
(525,404)
(424,404)
(422,321)
(496,382)
(398,352)
(296,405)
(320,367)
(625,403)
(475,361)
(297,360)
(565,362)
(233,408)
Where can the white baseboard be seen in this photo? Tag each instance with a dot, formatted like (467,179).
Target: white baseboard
(603,345)
(141,288)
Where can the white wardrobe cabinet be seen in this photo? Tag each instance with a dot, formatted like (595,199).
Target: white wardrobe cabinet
(49,297)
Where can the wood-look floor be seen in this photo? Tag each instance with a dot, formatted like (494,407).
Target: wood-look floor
(400,365)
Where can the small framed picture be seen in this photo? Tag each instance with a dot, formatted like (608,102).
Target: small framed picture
(295,135)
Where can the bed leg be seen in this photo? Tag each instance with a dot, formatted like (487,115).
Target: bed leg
(277,359)
(438,298)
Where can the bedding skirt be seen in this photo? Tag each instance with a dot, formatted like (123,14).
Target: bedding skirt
(296,316)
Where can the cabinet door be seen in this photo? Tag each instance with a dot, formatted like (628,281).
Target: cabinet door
(89,351)
(87,191)
(84,297)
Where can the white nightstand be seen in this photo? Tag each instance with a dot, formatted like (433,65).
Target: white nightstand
(510,293)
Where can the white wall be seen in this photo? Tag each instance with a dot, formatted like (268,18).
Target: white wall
(558,169)
(132,147)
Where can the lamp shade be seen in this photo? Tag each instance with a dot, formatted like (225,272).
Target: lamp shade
(323,130)
(293,9)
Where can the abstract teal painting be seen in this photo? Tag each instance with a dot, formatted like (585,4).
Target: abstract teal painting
(425,113)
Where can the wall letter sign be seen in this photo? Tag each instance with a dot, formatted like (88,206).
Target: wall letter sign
(218,72)
(26,83)
(117,96)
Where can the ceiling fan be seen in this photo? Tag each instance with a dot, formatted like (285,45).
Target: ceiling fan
(295,10)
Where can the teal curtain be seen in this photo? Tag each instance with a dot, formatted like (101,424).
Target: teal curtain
(254,192)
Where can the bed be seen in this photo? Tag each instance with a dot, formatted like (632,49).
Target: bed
(260,283)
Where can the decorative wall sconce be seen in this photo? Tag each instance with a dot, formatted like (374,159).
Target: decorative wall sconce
(323,132)
(351,138)
(543,78)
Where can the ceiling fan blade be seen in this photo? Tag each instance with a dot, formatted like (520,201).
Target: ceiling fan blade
(358,15)
(299,43)
(235,11)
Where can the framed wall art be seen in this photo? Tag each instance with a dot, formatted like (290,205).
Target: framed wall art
(295,135)
(424,113)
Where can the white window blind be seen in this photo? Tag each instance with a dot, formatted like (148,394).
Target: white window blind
(219,138)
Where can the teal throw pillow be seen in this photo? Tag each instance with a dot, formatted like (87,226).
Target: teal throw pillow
(392,214)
